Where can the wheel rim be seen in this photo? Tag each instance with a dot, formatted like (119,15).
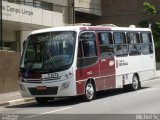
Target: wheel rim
(135,82)
(89,91)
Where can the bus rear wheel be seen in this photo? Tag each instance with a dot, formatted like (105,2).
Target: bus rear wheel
(135,83)
(89,92)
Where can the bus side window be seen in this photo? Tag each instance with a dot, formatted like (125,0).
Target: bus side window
(106,44)
(120,44)
(133,41)
(147,47)
(87,51)
(87,45)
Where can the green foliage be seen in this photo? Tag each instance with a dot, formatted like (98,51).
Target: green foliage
(151,10)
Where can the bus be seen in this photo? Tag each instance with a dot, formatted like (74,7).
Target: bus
(81,60)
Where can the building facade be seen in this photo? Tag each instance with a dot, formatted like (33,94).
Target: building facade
(125,12)
(20,17)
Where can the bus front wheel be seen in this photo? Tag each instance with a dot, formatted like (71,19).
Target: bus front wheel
(89,92)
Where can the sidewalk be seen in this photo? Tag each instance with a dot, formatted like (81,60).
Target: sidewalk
(14,98)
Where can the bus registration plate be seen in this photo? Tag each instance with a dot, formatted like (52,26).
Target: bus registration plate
(41,87)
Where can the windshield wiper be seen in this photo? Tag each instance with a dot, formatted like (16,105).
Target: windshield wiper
(53,69)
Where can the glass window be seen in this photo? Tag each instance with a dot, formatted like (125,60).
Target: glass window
(133,38)
(106,44)
(29,2)
(147,49)
(147,46)
(49,51)
(37,4)
(146,38)
(134,49)
(134,43)
(47,6)
(121,48)
(87,44)
(105,38)
(119,38)
(87,53)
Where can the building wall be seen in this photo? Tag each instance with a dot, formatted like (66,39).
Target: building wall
(124,12)
(89,6)
(9,67)
(26,15)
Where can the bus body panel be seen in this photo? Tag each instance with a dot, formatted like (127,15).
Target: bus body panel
(64,86)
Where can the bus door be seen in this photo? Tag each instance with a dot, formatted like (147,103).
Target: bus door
(106,61)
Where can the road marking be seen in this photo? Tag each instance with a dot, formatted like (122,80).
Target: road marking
(106,102)
(146,90)
(47,112)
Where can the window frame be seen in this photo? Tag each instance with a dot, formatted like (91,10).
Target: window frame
(120,44)
(138,52)
(82,50)
(106,45)
(149,44)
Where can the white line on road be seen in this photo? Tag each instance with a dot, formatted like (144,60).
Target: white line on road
(146,90)
(47,112)
(106,102)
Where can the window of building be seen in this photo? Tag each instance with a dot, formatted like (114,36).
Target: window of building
(47,6)
(106,44)
(37,4)
(121,48)
(28,2)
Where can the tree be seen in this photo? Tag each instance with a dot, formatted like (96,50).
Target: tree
(151,10)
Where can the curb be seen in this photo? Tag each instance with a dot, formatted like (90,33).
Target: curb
(18,101)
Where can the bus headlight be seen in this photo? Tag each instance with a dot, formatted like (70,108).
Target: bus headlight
(68,75)
(22,87)
(65,85)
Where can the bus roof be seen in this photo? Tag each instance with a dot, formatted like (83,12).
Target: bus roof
(90,28)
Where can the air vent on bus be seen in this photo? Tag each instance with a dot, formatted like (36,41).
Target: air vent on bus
(108,25)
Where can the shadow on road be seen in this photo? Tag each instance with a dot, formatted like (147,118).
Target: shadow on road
(62,102)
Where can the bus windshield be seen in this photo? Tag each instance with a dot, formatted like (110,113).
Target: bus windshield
(52,51)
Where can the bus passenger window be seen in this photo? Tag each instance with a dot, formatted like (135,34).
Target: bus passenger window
(146,38)
(134,45)
(147,47)
(87,51)
(120,43)
(106,44)
(88,41)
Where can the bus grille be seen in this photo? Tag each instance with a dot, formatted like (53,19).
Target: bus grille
(48,91)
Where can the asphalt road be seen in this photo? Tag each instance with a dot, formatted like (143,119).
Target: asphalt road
(110,104)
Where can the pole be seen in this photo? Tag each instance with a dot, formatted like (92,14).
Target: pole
(73,13)
(1,25)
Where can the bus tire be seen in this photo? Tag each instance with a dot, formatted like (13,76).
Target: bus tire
(135,83)
(41,100)
(89,91)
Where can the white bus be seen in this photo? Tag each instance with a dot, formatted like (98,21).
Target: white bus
(81,60)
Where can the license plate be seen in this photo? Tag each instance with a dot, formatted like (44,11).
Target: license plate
(41,87)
